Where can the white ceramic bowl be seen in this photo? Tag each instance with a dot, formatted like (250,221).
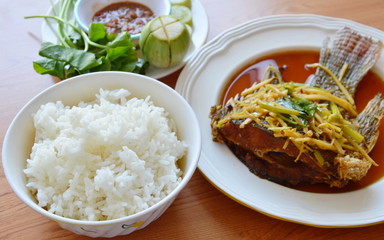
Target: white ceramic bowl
(86,9)
(19,139)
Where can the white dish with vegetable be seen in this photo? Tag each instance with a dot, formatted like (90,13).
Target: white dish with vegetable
(198,37)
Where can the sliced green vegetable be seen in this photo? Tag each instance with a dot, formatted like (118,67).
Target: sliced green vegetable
(334,108)
(336,117)
(306,108)
(320,159)
(183,13)
(164,41)
(186,3)
(352,133)
(278,109)
(292,122)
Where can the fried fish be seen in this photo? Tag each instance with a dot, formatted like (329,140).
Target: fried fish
(292,133)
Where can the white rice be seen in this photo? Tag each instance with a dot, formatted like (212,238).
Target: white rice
(103,160)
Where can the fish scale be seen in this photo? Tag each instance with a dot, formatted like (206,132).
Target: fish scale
(349,47)
(369,121)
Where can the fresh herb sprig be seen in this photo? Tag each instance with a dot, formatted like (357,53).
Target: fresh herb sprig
(305,108)
(79,52)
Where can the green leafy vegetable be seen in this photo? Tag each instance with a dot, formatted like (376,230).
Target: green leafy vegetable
(79,52)
(49,66)
(97,32)
(306,108)
(282,110)
(76,58)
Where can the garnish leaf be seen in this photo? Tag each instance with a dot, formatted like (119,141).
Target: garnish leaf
(77,58)
(97,32)
(115,53)
(122,40)
(306,107)
(49,66)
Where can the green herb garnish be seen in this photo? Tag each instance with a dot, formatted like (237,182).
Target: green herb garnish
(306,108)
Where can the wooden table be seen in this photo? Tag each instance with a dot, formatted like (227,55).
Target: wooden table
(201,211)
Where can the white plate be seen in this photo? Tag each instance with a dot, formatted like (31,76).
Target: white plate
(199,36)
(201,83)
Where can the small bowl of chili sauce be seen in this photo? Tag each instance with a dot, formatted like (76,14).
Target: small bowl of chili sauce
(119,15)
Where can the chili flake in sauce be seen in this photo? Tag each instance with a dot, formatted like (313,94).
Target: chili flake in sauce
(124,17)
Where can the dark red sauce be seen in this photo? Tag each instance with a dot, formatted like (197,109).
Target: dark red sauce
(124,17)
(294,71)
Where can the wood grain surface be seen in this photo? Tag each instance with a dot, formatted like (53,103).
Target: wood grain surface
(201,211)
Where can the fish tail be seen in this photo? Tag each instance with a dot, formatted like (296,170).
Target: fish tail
(359,53)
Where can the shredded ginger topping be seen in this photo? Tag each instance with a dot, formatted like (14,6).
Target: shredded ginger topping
(309,117)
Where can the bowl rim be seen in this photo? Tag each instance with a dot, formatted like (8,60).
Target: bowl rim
(82,25)
(185,179)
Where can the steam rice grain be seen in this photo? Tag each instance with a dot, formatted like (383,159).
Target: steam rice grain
(103,160)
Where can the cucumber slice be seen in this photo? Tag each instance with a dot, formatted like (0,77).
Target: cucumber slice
(190,30)
(185,3)
(183,13)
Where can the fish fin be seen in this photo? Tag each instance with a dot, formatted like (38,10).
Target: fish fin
(359,52)
(369,121)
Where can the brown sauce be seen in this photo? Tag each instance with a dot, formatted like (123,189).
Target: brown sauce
(124,17)
(295,72)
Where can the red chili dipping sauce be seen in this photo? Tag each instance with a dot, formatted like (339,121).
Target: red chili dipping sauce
(124,17)
(293,70)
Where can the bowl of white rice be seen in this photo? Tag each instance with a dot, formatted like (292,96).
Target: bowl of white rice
(102,154)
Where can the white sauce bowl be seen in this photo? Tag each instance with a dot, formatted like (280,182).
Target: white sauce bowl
(86,9)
